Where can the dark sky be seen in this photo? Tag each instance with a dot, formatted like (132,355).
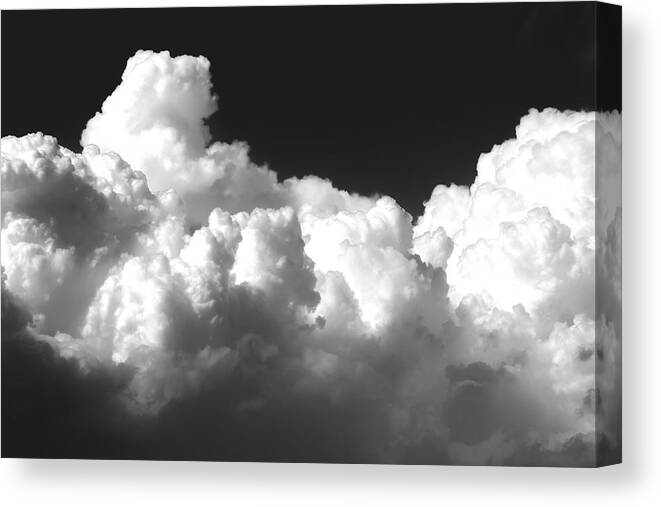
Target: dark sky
(380,99)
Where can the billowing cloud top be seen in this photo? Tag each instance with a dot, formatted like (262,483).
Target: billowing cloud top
(194,277)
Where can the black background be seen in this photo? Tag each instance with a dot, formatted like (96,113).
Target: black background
(380,99)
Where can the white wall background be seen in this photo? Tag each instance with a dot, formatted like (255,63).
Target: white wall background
(636,482)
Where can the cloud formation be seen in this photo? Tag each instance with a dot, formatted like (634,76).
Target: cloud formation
(210,302)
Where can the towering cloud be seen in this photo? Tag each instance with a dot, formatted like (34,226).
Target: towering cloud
(216,301)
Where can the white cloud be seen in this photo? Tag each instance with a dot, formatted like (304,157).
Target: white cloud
(270,257)
(470,331)
(34,266)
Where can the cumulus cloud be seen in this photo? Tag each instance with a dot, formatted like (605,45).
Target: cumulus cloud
(207,302)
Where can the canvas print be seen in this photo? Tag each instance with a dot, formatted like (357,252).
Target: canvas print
(384,234)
